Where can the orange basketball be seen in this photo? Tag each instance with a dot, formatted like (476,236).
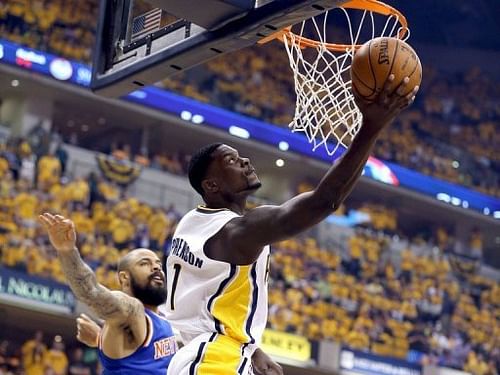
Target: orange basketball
(375,60)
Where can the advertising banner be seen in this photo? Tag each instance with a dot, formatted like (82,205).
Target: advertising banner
(355,362)
(34,292)
(286,345)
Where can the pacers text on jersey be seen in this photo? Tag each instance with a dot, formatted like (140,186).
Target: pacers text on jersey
(180,248)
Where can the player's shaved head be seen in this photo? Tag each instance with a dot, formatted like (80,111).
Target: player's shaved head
(125,262)
(141,276)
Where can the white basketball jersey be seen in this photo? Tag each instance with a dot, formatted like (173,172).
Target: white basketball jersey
(207,295)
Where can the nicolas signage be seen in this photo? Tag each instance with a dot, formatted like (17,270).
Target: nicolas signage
(25,289)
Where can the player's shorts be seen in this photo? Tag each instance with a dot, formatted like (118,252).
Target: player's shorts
(212,354)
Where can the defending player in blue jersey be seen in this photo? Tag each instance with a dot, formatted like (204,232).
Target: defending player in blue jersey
(135,338)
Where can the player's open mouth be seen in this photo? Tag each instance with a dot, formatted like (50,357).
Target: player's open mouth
(157,278)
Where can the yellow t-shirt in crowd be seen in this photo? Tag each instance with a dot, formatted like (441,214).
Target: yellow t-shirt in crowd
(475,366)
(78,191)
(26,204)
(4,166)
(57,360)
(49,169)
(357,340)
(12,255)
(109,192)
(33,355)
(121,230)
(159,225)
(83,223)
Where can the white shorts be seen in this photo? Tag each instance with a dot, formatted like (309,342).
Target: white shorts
(212,354)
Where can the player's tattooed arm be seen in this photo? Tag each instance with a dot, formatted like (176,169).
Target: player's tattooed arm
(108,305)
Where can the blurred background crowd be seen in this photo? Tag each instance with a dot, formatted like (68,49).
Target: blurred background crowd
(415,295)
(411,296)
(449,133)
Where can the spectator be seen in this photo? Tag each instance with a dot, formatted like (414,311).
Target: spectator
(77,366)
(62,155)
(55,358)
(358,339)
(476,244)
(49,171)
(33,353)
(390,305)
(159,227)
(9,361)
(476,364)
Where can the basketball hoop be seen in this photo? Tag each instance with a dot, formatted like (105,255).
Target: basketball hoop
(325,109)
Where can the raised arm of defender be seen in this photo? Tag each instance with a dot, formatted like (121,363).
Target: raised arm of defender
(242,239)
(113,306)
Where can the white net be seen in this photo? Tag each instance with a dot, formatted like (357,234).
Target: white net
(325,108)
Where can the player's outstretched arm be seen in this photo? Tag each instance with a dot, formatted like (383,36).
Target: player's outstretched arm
(112,306)
(268,224)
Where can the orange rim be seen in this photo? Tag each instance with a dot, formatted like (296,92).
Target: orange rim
(370,5)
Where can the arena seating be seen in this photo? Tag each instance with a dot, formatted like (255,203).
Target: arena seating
(449,133)
(34,356)
(428,306)
(62,27)
(412,306)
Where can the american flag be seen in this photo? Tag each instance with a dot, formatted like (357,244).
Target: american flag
(146,23)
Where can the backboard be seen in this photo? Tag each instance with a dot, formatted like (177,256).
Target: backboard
(134,50)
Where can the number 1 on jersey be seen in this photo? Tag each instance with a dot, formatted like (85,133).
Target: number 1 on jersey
(177,271)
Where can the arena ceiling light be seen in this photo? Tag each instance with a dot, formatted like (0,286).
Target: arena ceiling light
(194,118)
(186,115)
(283,146)
(14,83)
(280,163)
(239,132)
(198,119)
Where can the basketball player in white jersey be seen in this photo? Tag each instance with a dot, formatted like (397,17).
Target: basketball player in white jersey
(218,265)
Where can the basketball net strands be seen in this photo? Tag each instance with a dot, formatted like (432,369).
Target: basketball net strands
(320,38)
(321,58)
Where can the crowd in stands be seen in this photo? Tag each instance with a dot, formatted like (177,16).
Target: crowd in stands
(34,357)
(425,303)
(175,162)
(62,27)
(108,221)
(425,306)
(449,132)
(109,224)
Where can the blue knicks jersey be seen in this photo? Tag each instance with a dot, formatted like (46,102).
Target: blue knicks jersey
(152,357)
